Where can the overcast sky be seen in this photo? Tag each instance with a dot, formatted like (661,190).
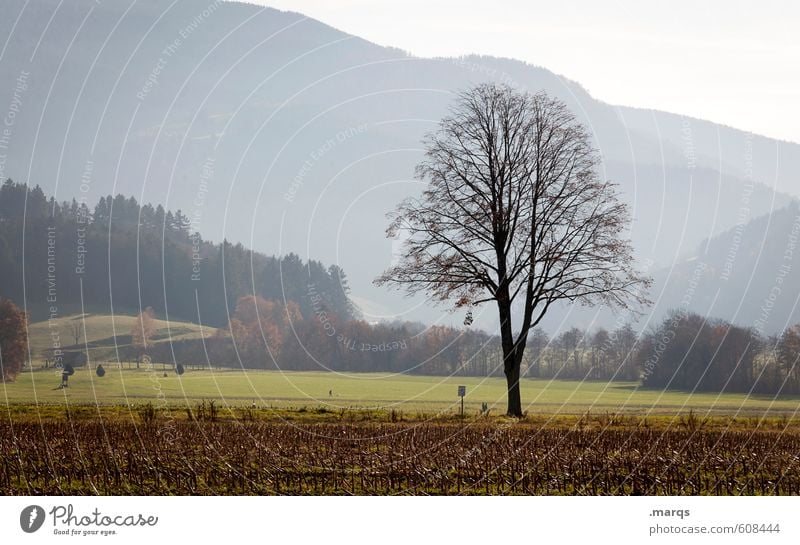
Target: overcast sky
(733,62)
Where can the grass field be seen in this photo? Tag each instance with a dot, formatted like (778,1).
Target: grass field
(124,386)
(102,332)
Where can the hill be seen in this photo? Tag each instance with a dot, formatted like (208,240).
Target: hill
(277,131)
(103,335)
(120,256)
(746,274)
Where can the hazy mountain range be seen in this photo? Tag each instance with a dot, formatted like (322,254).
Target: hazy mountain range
(275,130)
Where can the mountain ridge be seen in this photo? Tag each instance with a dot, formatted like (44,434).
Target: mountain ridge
(257,93)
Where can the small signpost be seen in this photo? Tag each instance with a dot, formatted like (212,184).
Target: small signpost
(462,391)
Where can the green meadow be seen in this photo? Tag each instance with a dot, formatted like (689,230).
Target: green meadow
(246,388)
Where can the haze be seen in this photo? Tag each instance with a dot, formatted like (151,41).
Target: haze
(735,63)
(278,131)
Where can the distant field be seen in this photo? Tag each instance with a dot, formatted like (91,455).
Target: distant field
(403,392)
(102,332)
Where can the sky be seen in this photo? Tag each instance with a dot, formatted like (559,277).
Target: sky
(734,62)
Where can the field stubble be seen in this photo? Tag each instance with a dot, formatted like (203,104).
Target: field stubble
(202,452)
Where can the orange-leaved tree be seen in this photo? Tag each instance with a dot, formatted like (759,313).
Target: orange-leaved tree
(259,327)
(13,340)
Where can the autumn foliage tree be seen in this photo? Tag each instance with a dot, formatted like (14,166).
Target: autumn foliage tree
(259,327)
(13,340)
(514,213)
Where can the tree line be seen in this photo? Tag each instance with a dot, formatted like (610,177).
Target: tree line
(691,352)
(64,257)
(685,352)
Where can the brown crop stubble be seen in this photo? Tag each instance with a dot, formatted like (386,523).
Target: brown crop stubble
(87,457)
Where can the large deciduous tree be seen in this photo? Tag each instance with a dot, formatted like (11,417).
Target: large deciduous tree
(13,340)
(514,212)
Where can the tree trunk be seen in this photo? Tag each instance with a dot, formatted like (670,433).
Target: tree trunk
(512,356)
(512,380)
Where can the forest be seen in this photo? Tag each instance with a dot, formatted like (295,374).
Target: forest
(122,256)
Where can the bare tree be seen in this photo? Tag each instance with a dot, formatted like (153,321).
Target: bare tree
(600,343)
(538,343)
(514,212)
(142,332)
(624,341)
(76,329)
